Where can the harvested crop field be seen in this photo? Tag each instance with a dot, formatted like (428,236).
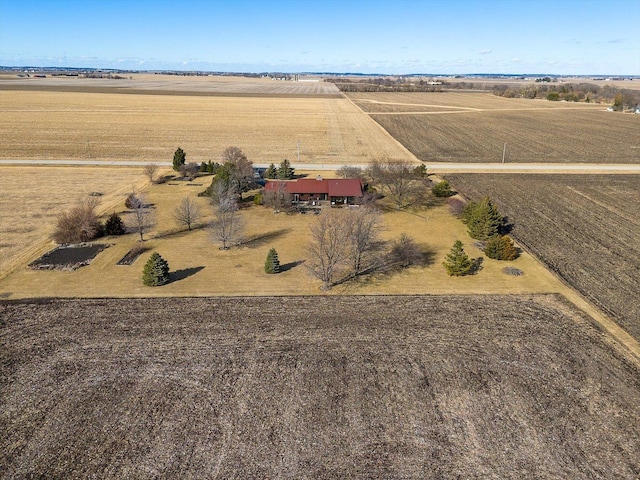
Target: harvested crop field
(584,227)
(149,125)
(473,127)
(309,387)
(157,84)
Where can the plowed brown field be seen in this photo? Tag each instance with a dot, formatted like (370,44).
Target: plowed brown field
(473,127)
(308,387)
(584,227)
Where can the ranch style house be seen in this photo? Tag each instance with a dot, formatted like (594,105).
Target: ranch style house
(338,191)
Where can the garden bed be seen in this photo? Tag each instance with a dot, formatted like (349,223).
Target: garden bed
(132,255)
(68,257)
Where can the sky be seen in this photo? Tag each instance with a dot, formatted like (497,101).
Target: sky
(564,37)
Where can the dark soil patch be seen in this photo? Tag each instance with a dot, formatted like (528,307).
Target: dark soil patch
(314,387)
(132,255)
(68,257)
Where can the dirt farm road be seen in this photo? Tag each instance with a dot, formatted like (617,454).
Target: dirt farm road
(437,167)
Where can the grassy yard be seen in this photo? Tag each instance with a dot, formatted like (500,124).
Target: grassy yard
(200,268)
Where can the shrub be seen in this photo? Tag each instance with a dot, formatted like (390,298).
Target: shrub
(114,225)
(79,224)
(501,248)
(406,252)
(132,201)
(272,263)
(156,271)
(257,198)
(456,206)
(442,189)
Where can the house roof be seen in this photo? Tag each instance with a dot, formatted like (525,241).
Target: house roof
(335,187)
(345,187)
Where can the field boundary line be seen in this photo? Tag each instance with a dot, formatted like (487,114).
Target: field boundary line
(387,134)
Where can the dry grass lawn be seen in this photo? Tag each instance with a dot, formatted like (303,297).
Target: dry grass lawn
(201,268)
(31,197)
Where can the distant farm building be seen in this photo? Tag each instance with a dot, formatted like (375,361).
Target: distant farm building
(338,191)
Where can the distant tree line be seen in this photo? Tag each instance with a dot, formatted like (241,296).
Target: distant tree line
(620,98)
(384,84)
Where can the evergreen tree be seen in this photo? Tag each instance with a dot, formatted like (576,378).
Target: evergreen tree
(114,225)
(156,271)
(457,262)
(442,189)
(271,172)
(501,248)
(272,264)
(179,159)
(285,172)
(483,219)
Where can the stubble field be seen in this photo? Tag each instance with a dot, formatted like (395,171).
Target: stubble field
(91,123)
(473,127)
(583,227)
(314,387)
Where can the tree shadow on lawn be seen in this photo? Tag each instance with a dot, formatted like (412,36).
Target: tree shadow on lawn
(184,273)
(262,239)
(180,231)
(379,273)
(288,266)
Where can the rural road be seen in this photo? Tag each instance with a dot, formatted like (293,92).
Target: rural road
(441,167)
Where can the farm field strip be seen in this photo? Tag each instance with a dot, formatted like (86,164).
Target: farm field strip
(169,84)
(534,130)
(463,100)
(402,387)
(95,126)
(590,239)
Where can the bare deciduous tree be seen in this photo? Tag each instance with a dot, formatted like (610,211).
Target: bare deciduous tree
(79,224)
(141,216)
(150,170)
(228,225)
(278,198)
(189,170)
(242,172)
(187,213)
(363,225)
(328,247)
(398,180)
(349,171)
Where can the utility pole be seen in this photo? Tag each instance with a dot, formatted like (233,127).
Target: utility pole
(88,150)
(298,145)
(504,151)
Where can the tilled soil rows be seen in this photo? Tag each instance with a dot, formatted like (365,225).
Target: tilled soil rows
(314,387)
(584,227)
